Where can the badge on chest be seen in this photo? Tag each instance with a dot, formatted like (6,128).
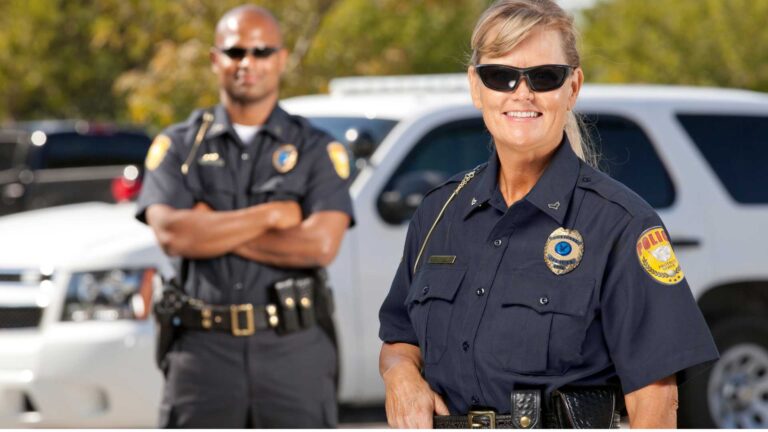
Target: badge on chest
(563,250)
(285,158)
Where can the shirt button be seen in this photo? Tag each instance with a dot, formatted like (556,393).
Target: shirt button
(544,300)
(238,286)
(586,179)
(465,346)
(497,242)
(480,292)
(244,156)
(475,400)
(425,289)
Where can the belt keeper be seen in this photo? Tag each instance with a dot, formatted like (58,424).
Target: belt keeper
(272,315)
(206,315)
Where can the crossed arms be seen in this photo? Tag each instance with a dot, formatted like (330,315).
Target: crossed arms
(272,233)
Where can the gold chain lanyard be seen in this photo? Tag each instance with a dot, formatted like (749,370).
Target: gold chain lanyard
(467,177)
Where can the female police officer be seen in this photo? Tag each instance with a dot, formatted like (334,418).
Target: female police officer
(531,284)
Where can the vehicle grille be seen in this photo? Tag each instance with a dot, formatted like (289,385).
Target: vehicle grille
(20,317)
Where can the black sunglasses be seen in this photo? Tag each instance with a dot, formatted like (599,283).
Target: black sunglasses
(239,53)
(504,78)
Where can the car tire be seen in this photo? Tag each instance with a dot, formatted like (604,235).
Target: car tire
(733,392)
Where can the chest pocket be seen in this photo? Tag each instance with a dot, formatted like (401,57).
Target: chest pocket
(286,187)
(430,305)
(215,186)
(538,323)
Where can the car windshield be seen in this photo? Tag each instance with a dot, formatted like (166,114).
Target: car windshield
(349,129)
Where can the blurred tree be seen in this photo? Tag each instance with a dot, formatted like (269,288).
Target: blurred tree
(147,60)
(694,42)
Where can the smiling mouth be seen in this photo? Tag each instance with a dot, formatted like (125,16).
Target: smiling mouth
(522,114)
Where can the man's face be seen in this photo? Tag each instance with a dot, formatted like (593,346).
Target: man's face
(248,79)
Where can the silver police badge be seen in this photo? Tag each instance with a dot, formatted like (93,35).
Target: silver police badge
(563,251)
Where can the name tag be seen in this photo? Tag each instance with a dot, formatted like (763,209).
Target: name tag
(442,259)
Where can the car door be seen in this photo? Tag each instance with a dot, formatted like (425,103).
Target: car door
(420,153)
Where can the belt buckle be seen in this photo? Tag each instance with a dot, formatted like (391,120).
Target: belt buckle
(235,311)
(489,415)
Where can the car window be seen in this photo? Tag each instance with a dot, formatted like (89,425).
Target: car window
(736,147)
(348,129)
(627,154)
(7,152)
(445,151)
(70,150)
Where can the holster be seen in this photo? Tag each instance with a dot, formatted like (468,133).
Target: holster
(166,310)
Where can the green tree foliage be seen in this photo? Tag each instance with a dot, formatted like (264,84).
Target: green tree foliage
(694,42)
(146,61)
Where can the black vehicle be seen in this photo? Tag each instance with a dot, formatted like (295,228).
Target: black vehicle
(49,163)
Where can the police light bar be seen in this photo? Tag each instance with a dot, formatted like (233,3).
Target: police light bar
(410,84)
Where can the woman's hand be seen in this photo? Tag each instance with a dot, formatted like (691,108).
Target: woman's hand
(410,402)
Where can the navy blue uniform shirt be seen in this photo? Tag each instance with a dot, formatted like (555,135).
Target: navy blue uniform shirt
(227,174)
(496,317)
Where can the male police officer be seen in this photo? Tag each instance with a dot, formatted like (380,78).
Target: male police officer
(254,200)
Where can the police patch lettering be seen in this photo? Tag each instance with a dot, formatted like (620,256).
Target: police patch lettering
(284,158)
(340,159)
(657,257)
(157,152)
(563,250)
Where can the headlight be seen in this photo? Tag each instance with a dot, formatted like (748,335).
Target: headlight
(109,295)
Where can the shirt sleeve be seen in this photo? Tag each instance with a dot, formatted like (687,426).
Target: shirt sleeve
(652,324)
(328,185)
(163,180)
(394,322)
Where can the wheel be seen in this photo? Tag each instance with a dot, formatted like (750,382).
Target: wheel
(733,393)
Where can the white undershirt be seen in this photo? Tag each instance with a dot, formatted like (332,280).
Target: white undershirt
(245,132)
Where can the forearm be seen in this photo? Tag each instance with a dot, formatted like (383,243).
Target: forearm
(654,406)
(399,355)
(314,243)
(206,234)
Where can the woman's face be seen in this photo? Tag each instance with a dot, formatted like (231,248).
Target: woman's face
(524,121)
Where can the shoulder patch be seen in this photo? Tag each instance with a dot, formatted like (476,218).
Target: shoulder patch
(340,158)
(657,257)
(157,152)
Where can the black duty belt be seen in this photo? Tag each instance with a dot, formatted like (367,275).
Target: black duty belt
(238,319)
(569,408)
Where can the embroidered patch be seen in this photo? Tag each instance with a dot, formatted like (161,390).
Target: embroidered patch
(157,152)
(340,159)
(657,257)
(285,157)
(563,250)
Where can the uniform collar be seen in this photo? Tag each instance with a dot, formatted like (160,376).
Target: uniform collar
(275,125)
(551,194)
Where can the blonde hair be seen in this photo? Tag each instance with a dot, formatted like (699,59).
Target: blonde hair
(514,20)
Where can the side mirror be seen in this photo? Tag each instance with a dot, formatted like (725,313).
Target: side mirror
(362,145)
(398,204)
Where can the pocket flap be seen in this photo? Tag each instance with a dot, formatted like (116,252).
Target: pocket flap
(548,293)
(436,282)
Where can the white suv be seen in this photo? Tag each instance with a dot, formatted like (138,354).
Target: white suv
(697,155)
